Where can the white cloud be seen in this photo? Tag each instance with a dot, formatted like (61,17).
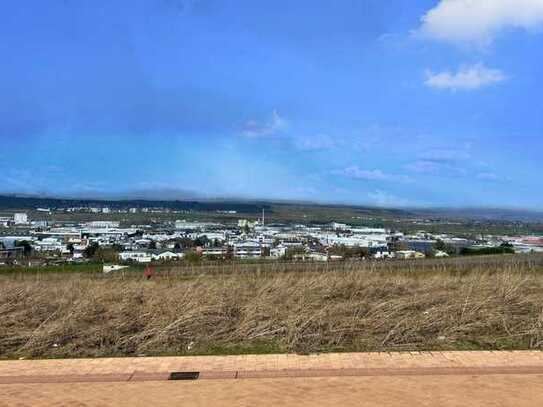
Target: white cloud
(492,177)
(424,167)
(441,168)
(477,22)
(445,155)
(383,198)
(371,175)
(315,143)
(275,125)
(466,78)
(487,176)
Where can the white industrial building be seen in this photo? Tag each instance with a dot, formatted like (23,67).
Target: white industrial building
(247,249)
(20,218)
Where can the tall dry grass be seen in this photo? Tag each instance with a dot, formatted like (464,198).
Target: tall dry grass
(458,304)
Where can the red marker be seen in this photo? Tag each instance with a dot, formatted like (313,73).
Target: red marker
(148,273)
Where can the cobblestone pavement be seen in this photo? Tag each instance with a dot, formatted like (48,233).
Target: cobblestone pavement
(372,379)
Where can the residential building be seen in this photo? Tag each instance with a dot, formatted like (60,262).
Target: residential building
(136,256)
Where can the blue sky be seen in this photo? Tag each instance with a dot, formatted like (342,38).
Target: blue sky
(398,103)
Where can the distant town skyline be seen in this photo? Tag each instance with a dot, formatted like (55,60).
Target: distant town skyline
(402,103)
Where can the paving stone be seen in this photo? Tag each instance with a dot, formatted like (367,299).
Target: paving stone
(377,379)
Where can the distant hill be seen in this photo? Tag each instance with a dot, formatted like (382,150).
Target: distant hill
(29,203)
(485,214)
(14,202)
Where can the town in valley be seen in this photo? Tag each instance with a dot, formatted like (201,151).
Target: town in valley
(156,235)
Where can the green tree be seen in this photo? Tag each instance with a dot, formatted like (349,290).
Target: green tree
(293,251)
(441,246)
(183,243)
(192,257)
(474,251)
(348,252)
(108,255)
(201,241)
(27,247)
(90,250)
(117,247)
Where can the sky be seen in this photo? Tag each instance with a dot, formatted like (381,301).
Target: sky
(398,103)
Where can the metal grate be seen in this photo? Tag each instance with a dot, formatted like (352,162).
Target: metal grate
(184,375)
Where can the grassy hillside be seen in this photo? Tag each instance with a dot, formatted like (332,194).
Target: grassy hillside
(490,303)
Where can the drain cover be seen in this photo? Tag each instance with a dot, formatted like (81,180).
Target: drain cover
(184,375)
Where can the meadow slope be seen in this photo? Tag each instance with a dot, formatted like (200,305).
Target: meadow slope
(490,303)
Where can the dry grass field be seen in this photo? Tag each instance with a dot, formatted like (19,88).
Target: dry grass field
(465,303)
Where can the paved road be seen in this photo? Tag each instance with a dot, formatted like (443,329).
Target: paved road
(363,379)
